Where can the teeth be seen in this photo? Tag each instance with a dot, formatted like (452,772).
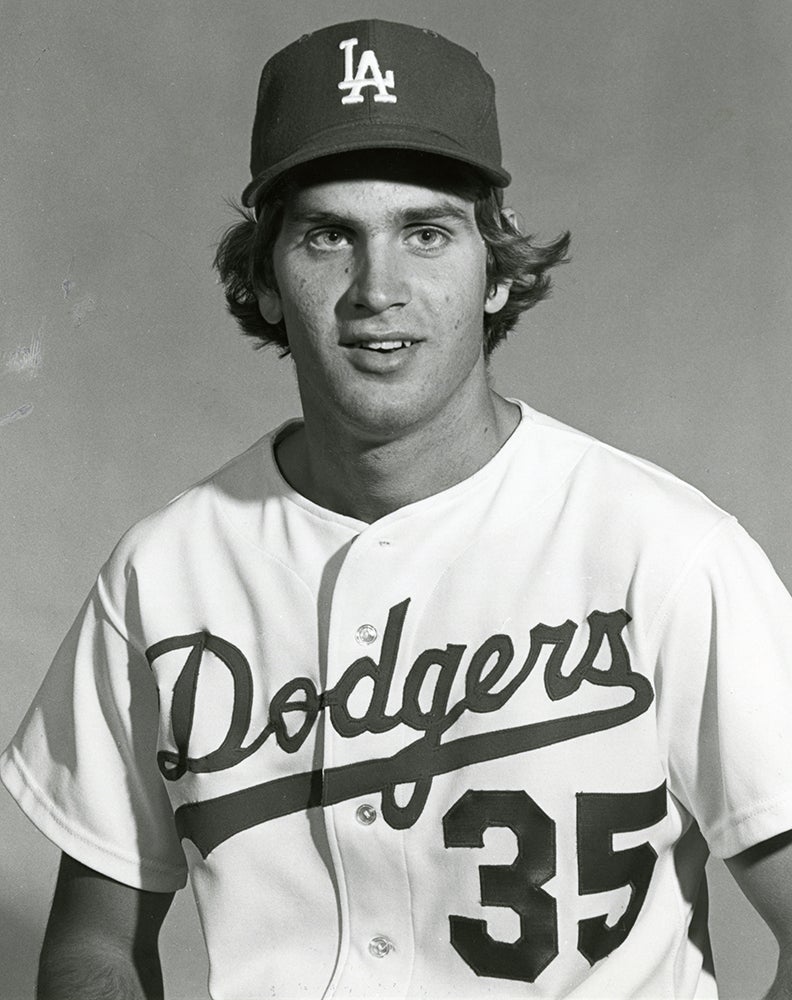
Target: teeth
(386,345)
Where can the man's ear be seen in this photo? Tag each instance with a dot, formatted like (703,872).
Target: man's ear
(269,304)
(497,297)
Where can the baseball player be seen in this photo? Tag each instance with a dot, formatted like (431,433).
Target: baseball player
(427,693)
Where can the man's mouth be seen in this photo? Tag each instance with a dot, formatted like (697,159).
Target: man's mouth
(384,346)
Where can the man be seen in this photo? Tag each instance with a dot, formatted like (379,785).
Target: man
(434,696)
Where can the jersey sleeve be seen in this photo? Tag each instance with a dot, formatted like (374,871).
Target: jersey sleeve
(83,764)
(724,692)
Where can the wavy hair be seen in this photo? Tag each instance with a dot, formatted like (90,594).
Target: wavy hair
(244,254)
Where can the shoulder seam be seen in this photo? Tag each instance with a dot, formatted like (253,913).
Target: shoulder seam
(665,604)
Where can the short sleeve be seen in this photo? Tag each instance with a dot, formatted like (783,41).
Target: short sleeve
(724,692)
(83,764)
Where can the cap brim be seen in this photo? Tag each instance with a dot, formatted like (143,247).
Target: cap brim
(382,137)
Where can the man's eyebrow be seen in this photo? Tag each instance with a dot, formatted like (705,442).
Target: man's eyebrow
(436,212)
(316,218)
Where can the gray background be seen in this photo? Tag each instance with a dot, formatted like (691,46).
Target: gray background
(657,132)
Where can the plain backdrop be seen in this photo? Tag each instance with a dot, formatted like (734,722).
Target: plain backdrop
(659,133)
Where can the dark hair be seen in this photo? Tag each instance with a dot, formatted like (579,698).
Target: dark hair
(244,253)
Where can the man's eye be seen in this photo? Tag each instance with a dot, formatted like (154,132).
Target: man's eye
(328,239)
(427,238)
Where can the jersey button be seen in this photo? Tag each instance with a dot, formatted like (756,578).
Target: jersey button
(380,946)
(366,634)
(366,814)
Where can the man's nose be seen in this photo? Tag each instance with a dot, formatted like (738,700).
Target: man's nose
(380,281)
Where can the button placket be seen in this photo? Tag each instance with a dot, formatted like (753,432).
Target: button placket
(364,597)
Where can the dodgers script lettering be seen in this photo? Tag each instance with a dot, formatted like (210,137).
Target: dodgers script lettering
(488,687)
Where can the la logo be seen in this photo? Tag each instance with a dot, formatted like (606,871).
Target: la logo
(368,74)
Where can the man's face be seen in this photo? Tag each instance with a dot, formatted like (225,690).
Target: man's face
(382,287)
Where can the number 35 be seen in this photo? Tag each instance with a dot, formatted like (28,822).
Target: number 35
(519,885)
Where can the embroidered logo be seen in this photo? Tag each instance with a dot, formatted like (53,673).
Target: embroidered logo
(368,74)
(492,677)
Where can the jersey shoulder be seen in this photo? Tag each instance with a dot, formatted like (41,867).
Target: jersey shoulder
(629,527)
(625,481)
(204,513)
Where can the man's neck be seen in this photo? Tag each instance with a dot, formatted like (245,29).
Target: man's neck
(367,479)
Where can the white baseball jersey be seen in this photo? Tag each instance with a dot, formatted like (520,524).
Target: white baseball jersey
(479,748)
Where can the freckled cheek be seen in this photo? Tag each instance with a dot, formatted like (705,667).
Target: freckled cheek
(462,284)
(441,293)
(307,305)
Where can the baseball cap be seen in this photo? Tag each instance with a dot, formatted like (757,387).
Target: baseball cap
(372,84)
